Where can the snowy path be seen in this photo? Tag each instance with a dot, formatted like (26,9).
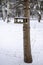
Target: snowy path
(11,43)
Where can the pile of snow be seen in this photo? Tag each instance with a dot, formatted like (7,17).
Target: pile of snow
(11,43)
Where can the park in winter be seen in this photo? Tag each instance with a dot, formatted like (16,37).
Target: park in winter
(21,32)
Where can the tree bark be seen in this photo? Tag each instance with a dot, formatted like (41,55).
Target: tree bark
(26,33)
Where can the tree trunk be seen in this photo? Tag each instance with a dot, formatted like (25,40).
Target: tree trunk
(26,33)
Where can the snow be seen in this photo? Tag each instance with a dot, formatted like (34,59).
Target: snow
(11,43)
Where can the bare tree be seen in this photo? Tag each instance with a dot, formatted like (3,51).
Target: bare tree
(26,33)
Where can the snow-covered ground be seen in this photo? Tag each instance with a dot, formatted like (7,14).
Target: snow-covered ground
(11,43)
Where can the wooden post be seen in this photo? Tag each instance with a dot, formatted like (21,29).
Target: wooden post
(26,33)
